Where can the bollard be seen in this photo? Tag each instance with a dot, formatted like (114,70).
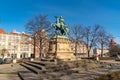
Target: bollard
(31,59)
(97,57)
(14,61)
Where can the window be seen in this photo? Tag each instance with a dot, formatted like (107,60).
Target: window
(2,37)
(2,43)
(14,56)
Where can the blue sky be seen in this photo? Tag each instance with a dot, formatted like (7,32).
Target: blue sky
(14,14)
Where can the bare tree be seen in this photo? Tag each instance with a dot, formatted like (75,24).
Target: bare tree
(4,51)
(91,37)
(77,33)
(103,39)
(114,49)
(38,27)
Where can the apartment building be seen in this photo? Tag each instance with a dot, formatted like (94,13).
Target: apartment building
(99,51)
(15,45)
(81,48)
(41,38)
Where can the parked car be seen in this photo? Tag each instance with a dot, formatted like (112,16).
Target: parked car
(1,61)
(7,60)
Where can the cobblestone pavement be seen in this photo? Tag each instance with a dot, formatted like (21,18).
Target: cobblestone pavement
(10,68)
(110,61)
(9,77)
(9,71)
(90,74)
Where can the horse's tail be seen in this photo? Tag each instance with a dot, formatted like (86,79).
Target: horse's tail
(66,29)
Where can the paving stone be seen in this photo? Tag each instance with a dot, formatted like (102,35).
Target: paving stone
(69,70)
(9,77)
(27,75)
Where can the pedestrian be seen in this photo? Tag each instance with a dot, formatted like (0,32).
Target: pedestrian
(97,57)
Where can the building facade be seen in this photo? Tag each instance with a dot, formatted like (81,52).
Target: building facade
(41,43)
(99,52)
(18,45)
(15,45)
(81,48)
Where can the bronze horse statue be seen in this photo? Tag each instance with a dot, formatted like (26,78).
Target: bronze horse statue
(60,26)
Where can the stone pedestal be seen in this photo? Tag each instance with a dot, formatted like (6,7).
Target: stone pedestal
(60,48)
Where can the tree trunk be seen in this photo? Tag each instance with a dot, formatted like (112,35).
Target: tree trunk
(40,48)
(75,47)
(88,45)
(88,53)
(101,50)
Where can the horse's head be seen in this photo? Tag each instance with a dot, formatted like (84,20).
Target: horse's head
(56,17)
(61,19)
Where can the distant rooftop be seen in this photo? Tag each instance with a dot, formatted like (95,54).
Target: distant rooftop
(2,31)
(14,32)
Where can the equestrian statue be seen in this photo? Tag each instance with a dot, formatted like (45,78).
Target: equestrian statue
(61,28)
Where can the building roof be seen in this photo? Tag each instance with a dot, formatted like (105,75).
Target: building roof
(24,34)
(2,31)
(13,32)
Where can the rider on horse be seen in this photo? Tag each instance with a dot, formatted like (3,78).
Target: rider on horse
(60,26)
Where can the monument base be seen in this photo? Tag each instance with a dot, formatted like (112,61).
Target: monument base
(60,48)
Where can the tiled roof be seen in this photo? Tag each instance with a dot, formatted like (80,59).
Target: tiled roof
(12,32)
(2,31)
(24,34)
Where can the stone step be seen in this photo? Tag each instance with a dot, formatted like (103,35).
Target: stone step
(43,63)
(115,67)
(50,60)
(32,68)
(36,65)
(28,75)
(50,66)
(53,75)
(55,69)
(37,68)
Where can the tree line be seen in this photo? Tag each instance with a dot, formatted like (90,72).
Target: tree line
(93,36)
